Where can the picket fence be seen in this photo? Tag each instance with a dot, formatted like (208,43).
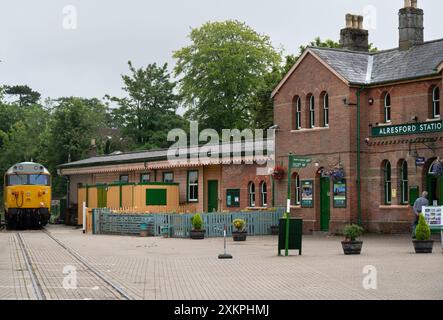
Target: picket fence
(179,225)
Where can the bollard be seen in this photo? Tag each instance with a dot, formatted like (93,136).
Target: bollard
(225,255)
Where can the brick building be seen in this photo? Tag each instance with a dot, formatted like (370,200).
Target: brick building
(373,117)
(218,183)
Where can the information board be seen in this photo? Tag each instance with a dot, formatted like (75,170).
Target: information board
(433,216)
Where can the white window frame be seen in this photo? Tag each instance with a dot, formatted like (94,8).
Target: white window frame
(387,108)
(251,193)
(388,183)
(297,190)
(192,185)
(312,112)
(264,194)
(435,102)
(298,114)
(404,182)
(326,110)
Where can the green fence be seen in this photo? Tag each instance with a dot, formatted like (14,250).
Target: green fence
(179,225)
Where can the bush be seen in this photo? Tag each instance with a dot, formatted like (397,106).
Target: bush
(197,222)
(352,231)
(239,224)
(422,232)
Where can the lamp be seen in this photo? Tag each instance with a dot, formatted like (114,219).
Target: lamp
(371,101)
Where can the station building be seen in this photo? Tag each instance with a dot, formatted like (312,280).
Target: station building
(370,121)
(220,183)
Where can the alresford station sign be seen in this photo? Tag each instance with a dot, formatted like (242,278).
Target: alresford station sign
(406,129)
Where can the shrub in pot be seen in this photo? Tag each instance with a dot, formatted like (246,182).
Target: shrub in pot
(240,233)
(197,232)
(423,242)
(350,245)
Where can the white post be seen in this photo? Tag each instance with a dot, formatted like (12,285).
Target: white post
(84,217)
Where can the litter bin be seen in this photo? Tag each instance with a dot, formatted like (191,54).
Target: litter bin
(295,235)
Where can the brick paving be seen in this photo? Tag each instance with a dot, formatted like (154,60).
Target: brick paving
(158,268)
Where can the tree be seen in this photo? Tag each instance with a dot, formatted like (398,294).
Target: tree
(26,96)
(222,71)
(149,111)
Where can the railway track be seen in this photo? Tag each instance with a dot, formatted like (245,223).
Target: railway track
(47,283)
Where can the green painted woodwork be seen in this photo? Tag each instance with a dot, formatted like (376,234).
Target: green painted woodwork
(212,195)
(156,197)
(325,203)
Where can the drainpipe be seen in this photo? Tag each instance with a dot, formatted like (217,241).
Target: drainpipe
(359,213)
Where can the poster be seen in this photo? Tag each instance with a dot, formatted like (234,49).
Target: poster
(433,215)
(340,194)
(307,194)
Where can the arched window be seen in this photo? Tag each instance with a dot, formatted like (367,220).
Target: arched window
(436,103)
(264,194)
(325,110)
(404,181)
(251,192)
(297,113)
(387,183)
(387,108)
(311,111)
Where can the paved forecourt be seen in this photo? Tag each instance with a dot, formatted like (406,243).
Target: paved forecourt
(159,268)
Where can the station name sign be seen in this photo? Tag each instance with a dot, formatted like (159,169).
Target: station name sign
(406,129)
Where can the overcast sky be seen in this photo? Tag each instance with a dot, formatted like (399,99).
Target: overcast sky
(36,49)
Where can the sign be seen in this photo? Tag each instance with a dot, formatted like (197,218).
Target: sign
(433,216)
(307,194)
(339,194)
(420,161)
(406,129)
(300,162)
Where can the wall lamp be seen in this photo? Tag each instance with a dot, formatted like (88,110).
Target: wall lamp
(371,101)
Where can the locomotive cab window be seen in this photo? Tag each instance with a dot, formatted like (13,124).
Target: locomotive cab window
(28,179)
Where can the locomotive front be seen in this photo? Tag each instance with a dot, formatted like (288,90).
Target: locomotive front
(27,196)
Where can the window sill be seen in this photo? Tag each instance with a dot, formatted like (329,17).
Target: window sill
(385,124)
(387,207)
(256,208)
(310,130)
(432,120)
(296,207)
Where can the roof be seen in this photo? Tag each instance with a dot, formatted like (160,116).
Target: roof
(364,68)
(158,155)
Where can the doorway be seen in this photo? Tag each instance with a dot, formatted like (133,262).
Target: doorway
(212,195)
(325,203)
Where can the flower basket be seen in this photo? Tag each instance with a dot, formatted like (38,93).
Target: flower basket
(279,173)
(437,169)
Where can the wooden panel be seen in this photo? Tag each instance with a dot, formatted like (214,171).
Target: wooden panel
(81,196)
(127,196)
(92,197)
(113,200)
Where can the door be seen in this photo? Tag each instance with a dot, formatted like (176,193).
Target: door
(101,197)
(325,203)
(212,195)
(435,189)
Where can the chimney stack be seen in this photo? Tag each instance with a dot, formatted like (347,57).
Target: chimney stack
(411,25)
(354,37)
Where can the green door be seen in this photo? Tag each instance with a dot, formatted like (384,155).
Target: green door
(325,202)
(212,195)
(101,197)
(435,189)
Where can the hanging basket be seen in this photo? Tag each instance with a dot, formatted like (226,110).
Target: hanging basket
(337,175)
(279,173)
(437,169)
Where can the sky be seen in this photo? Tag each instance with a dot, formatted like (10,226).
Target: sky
(81,47)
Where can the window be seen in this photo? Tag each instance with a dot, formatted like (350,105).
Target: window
(233,198)
(251,192)
(298,114)
(192,186)
(297,190)
(124,178)
(387,183)
(28,179)
(387,108)
(312,112)
(168,177)
(436,103)
(326,110)
(145,177)
(264,194)
(404,182)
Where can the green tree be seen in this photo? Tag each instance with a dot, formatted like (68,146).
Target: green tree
(25,95)
(222,71)
(149,111)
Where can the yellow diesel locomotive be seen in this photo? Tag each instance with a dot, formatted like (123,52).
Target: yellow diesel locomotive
(27,196)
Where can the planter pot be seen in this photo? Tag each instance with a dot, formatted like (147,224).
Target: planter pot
(197,234)
(274,230)
(352,247)
(239,235)
(423,246)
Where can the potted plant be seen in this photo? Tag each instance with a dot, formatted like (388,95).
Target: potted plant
(351,246)
(240,232)
(423,242)
(278,173)
(197,233)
